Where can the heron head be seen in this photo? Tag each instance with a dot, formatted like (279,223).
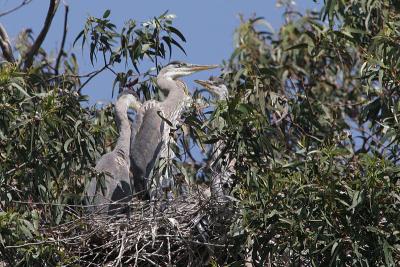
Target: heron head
(177,69)
(130,97)
(215,86)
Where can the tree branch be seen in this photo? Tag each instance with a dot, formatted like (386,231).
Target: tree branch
(5,45)
(29,56)
(61,52)
(25,2)
(94,74)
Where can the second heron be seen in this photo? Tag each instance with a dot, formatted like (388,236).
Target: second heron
(152,133)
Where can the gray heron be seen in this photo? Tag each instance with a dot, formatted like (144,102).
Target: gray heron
(219,181)
(216,86)
(153,132)
(115,164)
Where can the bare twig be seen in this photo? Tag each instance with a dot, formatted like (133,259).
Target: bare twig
(152,262)
(137,252)
(24,2)
(41,242)
(169,251)
(61,52)
(5,45)
(91,77)
(87,75)
(121,250)
(16,168)
(33,50)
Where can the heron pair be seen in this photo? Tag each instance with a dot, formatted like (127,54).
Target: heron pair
(140,144)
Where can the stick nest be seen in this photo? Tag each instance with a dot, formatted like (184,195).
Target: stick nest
(186,231)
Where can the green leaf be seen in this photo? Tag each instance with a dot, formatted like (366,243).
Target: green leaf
(30,226)
(168,42)
(15,85)
(177,32)
(298,46)
(243,108)
(106,14)
(388,254)
(211,141)
(164,119)
(334,246)
(178,45)
(66,144)
(78,37)
(25,231)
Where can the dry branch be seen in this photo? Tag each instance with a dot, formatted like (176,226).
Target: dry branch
(23,3)
(5,45)
(61,52)
(33,50)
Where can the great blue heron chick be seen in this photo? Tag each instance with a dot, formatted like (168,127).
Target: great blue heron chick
(153,132)
(220,179)
(115,165)
(216,86)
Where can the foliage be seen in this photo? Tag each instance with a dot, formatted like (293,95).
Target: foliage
(17,229)
(50,139)
(311,125)
(132,45)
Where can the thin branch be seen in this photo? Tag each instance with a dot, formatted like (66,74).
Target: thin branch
(61,52)
(42,35)
(75,75)
(40,243)
(5,45)
(91,77)
(16,168)
(25,2)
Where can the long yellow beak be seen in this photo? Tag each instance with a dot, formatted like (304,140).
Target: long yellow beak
(206,84)
(194,67)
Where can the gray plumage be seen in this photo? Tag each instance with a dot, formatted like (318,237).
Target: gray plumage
(116,164)
(144,154)
(152,133)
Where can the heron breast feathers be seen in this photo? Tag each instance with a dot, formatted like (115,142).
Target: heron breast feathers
(121,161)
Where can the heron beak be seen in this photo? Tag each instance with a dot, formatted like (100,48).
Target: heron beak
(196,68)
(216,90)
(206,84)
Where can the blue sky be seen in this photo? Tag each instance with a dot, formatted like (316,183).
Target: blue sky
(208,26)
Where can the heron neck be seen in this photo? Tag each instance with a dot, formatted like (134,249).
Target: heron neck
(123,142)
(176,94)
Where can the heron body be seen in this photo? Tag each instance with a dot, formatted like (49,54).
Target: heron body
(143,155)
(116,187)
(152,134)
